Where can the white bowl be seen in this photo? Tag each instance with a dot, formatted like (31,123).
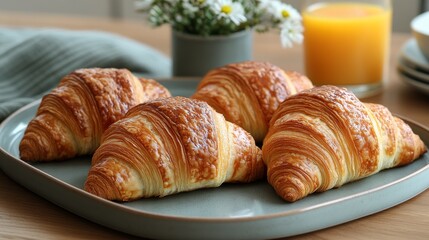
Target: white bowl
(420,29)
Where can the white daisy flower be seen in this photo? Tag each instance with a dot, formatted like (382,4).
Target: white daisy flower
(286,11)
(277,10)
(228,9)
(225,16)
(291,32)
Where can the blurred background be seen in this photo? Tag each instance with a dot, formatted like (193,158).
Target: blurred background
(404,11)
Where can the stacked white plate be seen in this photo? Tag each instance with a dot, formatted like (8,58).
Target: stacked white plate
(413,67)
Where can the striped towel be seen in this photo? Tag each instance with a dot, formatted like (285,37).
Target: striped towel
(32,61)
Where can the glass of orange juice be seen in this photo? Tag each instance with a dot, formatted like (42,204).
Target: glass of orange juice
(346,43)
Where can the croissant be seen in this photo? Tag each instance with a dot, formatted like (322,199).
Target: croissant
(325,137)
(72,117)
(248,93)
(168,146)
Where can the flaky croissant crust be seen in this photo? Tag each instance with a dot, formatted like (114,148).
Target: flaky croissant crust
(325,137)
(72,117)
(171,145)
(248,93)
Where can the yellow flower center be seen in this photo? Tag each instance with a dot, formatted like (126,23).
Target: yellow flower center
(285,14)
(226,9)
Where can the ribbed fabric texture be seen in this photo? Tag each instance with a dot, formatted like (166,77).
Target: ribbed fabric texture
(33,61)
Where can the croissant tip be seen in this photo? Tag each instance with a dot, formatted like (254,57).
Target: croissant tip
(27,151)
(290,194)
(104,181)
(95,184)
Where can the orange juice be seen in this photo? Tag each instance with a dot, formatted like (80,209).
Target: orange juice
(346,43)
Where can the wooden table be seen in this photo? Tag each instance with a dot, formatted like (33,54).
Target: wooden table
(24,215)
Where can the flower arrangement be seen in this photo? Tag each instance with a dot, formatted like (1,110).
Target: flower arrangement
(223,17)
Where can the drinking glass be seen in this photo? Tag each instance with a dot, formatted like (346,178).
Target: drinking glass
(346,43)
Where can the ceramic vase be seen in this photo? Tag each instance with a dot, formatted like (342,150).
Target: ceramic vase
(194,56)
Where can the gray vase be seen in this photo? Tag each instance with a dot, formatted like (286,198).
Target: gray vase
(194,56)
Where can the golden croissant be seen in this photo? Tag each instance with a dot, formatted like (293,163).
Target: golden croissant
(325,137)
(248,93)
(171,145)
(72,117)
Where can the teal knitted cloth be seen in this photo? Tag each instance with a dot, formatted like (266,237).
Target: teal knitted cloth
(33,61)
